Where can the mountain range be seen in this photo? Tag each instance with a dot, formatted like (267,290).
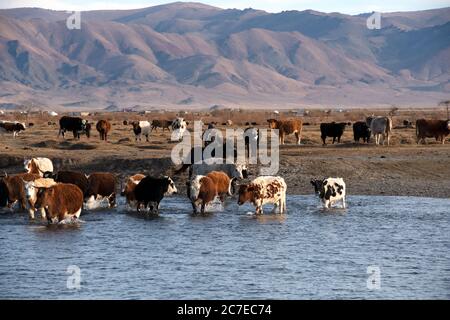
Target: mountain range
(190,55)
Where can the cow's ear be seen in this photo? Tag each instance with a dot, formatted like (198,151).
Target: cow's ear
(313,182)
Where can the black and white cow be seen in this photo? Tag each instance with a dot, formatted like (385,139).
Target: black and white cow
(179,126)
(14,127)
(77,125)
(151,190)
(141,128)
(330,190)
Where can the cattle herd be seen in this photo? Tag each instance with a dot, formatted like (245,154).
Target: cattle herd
(62,196)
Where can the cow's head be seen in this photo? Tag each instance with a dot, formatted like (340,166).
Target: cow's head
(369,121)
(30,190)
(27,165)
(170,187)
(245,193)
(272,123)
(136,128)
(318,186)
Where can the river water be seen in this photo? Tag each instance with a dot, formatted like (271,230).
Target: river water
(308,253)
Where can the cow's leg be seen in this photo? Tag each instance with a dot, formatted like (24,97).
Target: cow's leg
(202,210)
(43,215)
(31,212)
(388,137)
(323,140)
(343,202)
(194,207)
(146,137)
(297,136)
(334,140)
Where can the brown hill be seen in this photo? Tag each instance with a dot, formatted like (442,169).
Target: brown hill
(199,55)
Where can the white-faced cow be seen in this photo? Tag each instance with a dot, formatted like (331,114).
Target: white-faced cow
(179,126)
(14,127)
(61,202)
(264,190)
(141,128)
(31,192)
(128,190)
(330,191)
(380,127)
(437,129)
(12,190)
(151,190)
(38,166)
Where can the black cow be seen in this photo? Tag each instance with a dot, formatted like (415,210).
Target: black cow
(152,190)
(76,125)
(333,129)
(361,130)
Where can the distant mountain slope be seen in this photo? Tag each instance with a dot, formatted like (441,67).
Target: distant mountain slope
(192,52)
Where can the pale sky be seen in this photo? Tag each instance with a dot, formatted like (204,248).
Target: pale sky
(343,6)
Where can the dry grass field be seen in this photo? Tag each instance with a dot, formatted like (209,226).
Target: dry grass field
(404,168)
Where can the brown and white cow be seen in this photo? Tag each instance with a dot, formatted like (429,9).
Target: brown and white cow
(287,127)
(31,191)
(130,186)
(12,189)
(101,185)
(61,202)
(437,129)
(38,166)
(14,127)
(202,190)
(103,128)
(263,190)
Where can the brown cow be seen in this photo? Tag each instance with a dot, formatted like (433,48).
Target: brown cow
(164,124)
(12,189)
(103,127)
(128,191)
(437,129)
(102,184)
(287,127)
(203,189)
(60,202)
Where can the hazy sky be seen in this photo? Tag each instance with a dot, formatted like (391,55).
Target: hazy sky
(343,6)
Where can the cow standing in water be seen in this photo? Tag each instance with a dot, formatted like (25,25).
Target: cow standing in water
(330,190)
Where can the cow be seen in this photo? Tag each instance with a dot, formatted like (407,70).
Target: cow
(141,128)
(103,128)
(101,185)
(12,189)
(77,125)
(203,191)
(14,127)
(437,129)
(287,127)
(164,124)
(333,129)
(38,166)
(179,126)
(238,171)
(361,131)
(128,190)
(151,190)
(251,138)
(380,126)
(73,177)
(330,190)
(31,191)
(61,202)
(209,135)
(263,190)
